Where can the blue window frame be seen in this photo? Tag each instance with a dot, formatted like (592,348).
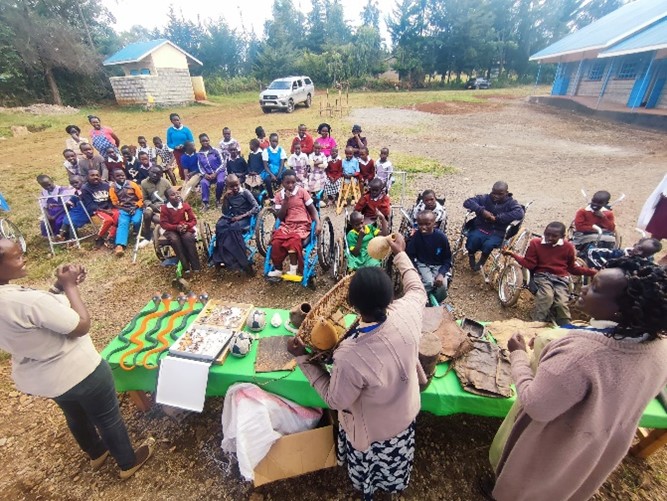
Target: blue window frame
(628,70)
(596,71)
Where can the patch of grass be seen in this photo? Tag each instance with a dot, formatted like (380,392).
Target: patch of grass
(414,164)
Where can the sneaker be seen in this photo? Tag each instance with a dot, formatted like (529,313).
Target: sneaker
(143,453)
(96,464)
(204,207)
(99,243)
(275,274)
(119,251)
(144,243)
(323,204)
(249,270)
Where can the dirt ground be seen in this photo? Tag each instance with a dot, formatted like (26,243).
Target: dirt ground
(547,156)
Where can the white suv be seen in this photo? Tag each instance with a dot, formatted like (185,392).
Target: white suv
(285,93)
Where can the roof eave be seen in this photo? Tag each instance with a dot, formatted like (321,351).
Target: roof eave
(636,50)
(148,53)
(553,58)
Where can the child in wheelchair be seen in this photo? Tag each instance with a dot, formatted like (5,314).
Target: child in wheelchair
(645,248)
(551,260)
(587,220)
(238,207)
(428,201)
(296,211)
(179,222)
(358,237)
(429,250)
(374,200)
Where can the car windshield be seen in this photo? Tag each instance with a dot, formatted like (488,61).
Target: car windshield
(280,85)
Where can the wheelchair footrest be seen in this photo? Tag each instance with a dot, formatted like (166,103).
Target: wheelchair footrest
(292,278)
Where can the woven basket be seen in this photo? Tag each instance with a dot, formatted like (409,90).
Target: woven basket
(324,326)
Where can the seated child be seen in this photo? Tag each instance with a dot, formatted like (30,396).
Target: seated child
(237,165)
(366,166)
(91,160)
(113,161)
(596,213)
(143,147)
(318,164)
(165,159)
(262,140)
(238,207)
(350,165)
(429,250)
(133,169)
(211,168)
(179,222)
(551,261)
(153,189)
(429,202)
(273,158)
(227,143)
(127,198)
(52,201)
(358,238)
(334,172)
(373,200)
(75,210)
(645,248)
(71,162)
(296,211)
(95,197)
(255,166)
(298,162)
(384,168)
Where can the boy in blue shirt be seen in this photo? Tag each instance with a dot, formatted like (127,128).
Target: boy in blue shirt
(350,164)
(429,249)
(274,158)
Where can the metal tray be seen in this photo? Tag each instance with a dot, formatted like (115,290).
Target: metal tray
(201,343)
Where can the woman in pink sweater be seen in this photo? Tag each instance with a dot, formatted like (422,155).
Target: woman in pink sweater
(374,383)
(580,410)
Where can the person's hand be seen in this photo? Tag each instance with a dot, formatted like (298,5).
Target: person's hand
(274,178)
(599,213)
(235,218)
(506,252)
(69,275)
(413,231)
(379,214)
(397,245)
(296,347)
(439,280)
(318,228)
(516,342)
(488,215)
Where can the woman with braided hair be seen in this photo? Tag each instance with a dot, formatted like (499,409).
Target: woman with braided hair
(580,410)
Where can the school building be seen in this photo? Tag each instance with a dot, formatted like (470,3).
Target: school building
(618,62)
(155,72)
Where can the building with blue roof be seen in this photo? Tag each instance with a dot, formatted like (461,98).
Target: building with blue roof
(155,72)
(619,59)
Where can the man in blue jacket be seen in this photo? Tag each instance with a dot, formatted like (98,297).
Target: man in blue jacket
(495,212)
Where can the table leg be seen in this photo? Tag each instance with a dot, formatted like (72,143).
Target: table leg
(649,443)
(141,400)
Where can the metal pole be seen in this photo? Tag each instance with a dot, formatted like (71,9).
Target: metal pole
(71,224)
(539,69)
(643,86)
(47,225)
(604,84)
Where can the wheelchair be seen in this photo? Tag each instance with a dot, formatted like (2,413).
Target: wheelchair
(408,222)
(167,257)
(8,229)
(315,248)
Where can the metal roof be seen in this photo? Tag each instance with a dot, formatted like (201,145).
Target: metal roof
(135,52)
(652,38)
(606,31)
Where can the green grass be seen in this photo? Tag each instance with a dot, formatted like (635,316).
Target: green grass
(420,165)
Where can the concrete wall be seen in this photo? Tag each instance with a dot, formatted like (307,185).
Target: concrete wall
(171,87)
(618,91)
(589,88)
(168,57)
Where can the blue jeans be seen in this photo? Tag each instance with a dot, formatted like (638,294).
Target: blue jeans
(124,220)
(478,241)
(91,407)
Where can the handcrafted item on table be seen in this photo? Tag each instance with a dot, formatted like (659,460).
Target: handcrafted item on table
(430,349)
(272,355)
(485,370)
(201,343)
(324,326)
(241,344)
(473,328)
(503,330)
(379,247)
(439,321)
(256,320)
(224,315)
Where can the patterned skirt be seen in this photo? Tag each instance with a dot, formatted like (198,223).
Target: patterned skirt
(384,466)
(331,189)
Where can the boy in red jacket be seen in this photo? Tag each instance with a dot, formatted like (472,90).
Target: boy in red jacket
(179,222)
(551,260)
(373,200)
(596,213)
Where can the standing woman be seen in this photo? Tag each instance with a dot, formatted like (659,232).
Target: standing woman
(326,141)
(653,217)
(102,137)
(177,135)
(374,382)
(74,140)
(46,334)
(580,410)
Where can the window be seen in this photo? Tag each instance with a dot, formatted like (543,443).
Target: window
(307,80)
(597,71)
(628,70)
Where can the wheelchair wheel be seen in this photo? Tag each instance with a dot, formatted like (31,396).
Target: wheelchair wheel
(11,232)
(266,221)
(510,285)
(406,225)
(395,276)
(206,234)
(577,282)
(162,250)
(338,261)
(325,244)
(520,245)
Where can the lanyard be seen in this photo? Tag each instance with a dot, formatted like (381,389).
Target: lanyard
(357,331)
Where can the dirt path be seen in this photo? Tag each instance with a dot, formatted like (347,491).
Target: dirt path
(545,155)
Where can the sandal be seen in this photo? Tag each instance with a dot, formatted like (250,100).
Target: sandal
(143,453)
(96,464)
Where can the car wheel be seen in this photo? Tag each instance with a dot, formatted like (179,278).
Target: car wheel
(290,106)
(309,101)
(266,110)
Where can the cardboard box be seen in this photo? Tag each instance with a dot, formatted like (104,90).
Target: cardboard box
(299,453)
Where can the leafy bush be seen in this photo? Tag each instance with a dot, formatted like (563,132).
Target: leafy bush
(218,86)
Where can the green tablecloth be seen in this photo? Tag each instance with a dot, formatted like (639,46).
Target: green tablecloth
(443,397)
